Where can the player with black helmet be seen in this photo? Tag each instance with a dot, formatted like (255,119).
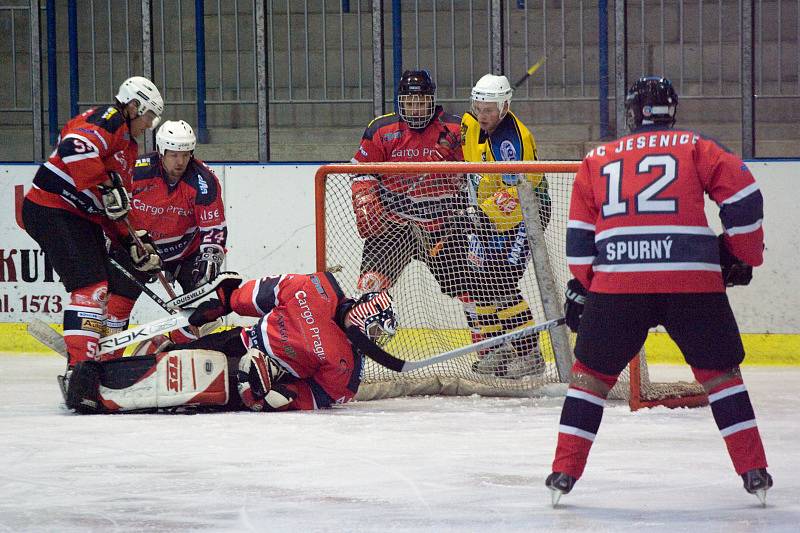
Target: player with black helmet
(402,217)
(643,254)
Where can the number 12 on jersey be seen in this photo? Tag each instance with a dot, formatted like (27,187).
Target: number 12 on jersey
(645,199)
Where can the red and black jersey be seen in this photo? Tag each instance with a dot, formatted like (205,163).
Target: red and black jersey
(90,146)
(179,217)
(637,221)
(298,329)
(418,198)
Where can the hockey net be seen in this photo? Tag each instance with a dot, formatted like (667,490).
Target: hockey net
(431,322)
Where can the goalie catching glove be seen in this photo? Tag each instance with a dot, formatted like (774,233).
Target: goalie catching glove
(367,207)
(256,381)
(145,257)
(208,264)
(575,301)
(116,202)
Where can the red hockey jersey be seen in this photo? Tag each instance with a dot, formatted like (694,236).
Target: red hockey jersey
(637,220)
(90,146)
(179,217)
(419,198)
(298,329)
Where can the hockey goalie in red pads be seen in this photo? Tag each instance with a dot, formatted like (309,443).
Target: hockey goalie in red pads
(306,352)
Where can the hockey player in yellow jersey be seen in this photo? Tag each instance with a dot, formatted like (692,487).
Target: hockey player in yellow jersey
(499,245)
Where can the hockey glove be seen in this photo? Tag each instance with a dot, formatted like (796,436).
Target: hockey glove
(116,201)
(573,306)
(734,271)
(208,263)
(255,379)
(145,259)
(367,208)
(220,306)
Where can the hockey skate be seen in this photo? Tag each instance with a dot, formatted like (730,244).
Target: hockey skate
(559,484)
(505,362)
(758,482)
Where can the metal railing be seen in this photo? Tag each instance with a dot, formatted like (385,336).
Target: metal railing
(226,63)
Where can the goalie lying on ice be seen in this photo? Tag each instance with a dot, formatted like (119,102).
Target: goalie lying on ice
(305,352)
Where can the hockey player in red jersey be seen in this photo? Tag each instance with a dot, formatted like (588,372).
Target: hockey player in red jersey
(77,196)
(177,199)
(305,352)
(643,254)
(405,217)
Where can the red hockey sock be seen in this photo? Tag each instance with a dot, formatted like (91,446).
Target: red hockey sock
(734,415)
(580,418)
(118,316)
(84,321)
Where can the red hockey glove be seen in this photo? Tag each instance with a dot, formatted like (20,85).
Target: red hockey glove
(575,301)
(367,208)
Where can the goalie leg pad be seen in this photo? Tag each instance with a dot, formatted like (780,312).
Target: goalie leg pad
(164,380)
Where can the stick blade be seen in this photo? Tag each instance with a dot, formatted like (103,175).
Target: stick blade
(48,336)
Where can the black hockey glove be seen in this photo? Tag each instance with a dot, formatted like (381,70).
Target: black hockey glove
(116,201)
(208,263)
(734,271)
(573,306)
(145,259)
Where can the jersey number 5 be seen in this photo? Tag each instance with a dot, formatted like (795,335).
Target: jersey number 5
(645,198)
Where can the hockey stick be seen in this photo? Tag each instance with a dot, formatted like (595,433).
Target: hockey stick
(144,288)
(144,331)
(53,340)
(399,365)
(530,72)
(140,245)
(201,292)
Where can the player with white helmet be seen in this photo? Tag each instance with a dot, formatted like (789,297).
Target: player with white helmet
(77,197)
(305,352)
(177,199)
(492,132)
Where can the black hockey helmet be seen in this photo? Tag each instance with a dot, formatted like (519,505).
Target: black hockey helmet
(651,100)
(416,98)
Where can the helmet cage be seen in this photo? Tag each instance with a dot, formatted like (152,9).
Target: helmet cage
(175,135)
(374,316)
(416,98)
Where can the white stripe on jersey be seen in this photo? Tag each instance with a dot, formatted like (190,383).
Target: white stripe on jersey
(735,197)
(649,230)
(740,230)
(79,157)
(579,224)
(582,260)
(657,267)
(66,177)
(80,138)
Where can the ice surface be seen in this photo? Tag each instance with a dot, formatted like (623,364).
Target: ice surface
(413,464)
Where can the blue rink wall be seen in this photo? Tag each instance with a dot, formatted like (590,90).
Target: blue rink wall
(270,213)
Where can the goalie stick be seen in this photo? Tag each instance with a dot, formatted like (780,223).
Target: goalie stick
(399,365)
(201,292)
(53,340)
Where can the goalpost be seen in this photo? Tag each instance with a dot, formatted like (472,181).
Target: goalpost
(431,323)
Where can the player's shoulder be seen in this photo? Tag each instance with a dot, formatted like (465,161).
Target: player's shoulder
(108,119)
(146,166)
(200,178)
(448,118)
(389,120)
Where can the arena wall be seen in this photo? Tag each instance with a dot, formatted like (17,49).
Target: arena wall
(270,213)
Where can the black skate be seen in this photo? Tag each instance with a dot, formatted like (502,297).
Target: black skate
(758,481)
(559,483)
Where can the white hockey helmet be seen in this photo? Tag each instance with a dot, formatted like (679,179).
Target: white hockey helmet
(175,135)
(491,88)
(146,93)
